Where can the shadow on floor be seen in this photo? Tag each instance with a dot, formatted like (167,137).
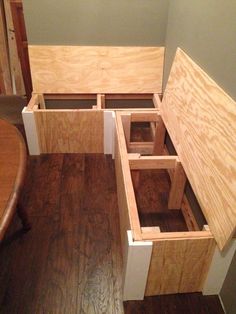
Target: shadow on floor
(11,107)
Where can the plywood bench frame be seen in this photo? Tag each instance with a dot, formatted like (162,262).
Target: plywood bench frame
(139,244)
(126,198)
(45,123)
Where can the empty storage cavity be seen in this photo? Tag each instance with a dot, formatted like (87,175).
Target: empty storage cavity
(141,132)
(158,179)
(152,188)
(153,205)
(129,103)
(93,101)
(70,103)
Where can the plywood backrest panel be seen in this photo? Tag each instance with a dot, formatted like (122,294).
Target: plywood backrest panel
(201,121)
(82,69)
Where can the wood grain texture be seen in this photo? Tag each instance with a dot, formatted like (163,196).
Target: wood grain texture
(70,131)
(159,140)
(122,200)
(5,74)
(124,185)
(178,183)
(188,215)
(187,303)
(83,69)
(200,119)
(151,162)
(70,262)
(12,172)
(22,44)
(13,54)
(179,266)
(145,148)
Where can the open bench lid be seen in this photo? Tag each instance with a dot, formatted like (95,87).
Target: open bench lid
(96,69)
(201,120)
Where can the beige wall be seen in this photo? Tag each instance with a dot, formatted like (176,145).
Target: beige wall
(96,22)
(228,291)
(206,30)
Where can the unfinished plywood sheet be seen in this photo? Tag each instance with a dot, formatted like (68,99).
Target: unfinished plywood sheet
(83,69)
(201,121)
(179,266)
(70,131)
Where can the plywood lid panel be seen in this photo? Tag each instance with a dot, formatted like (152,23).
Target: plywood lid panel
(88,69)
(201,120)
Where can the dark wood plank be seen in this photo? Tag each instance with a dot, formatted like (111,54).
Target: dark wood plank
(100,255)
(71,260)
(190,303)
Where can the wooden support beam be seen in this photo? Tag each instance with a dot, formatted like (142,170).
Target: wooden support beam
(159,141)
(145,117)
(5,74)
(188,215)
(100,101)
(177,187)
(41,101)
(156,101)
(182,235)
(34,101)
(126,123)
(129,96)
(121,153)
(153,129)
(135,174)
(70,96)
(145,148)
(150,229)
(16,73)
(152,162)
(94,96)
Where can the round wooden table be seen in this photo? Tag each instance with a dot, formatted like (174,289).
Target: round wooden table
(12,171)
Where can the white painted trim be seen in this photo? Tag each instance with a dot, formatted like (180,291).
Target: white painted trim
(136,263)
(109,123)
(31,131)
(222,303)
(218,270)
(113,134)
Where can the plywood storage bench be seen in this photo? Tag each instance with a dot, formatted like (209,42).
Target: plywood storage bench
(76,88)
(200,120)
(189,152)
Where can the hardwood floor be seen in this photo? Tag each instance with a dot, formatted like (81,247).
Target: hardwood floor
(70,261)
(190,303)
